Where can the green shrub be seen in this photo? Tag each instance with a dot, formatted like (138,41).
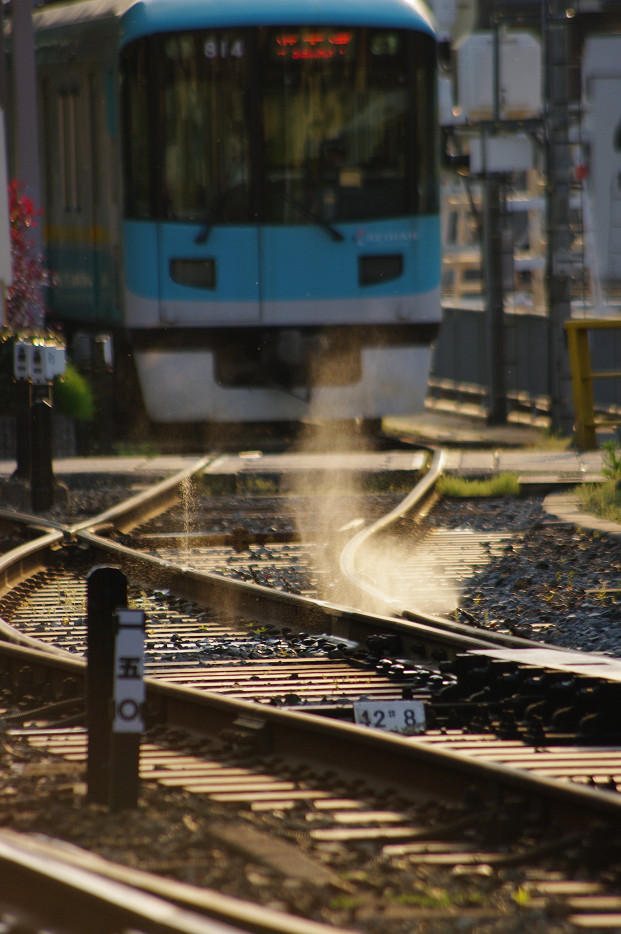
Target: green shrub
(73,395)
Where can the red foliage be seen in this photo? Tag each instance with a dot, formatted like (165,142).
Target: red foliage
(25,307)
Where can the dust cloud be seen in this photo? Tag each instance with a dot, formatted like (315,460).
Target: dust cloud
(388,576)
(328,501)
(188,511)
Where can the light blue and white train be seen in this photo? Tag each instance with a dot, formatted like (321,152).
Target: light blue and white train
(245,192)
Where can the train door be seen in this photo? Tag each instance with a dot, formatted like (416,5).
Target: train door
(348,172)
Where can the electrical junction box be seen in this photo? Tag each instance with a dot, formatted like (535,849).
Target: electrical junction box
(38,362)
(500,154)
(519,76)
(54,361)
(601,89)
(21,360)
(37,370)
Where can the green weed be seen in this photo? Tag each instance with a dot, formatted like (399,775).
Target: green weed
(611,466)
(344,903)
(522,897)
(504,484)
(601,499)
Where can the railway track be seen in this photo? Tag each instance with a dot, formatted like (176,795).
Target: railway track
(70,898)
(268,761)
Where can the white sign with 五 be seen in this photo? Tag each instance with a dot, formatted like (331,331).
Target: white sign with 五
(129,689)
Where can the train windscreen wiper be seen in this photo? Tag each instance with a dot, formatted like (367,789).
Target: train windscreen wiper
(203,235)
(211,214)
(314,218)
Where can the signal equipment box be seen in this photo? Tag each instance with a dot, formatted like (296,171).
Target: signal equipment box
(38,361)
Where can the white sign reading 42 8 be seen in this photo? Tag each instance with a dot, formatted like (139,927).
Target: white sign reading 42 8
(395,716)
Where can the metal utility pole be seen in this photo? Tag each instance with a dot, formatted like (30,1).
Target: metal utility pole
(493,250)
(25,82)
(495,299)
(555,29)
(5,214)
(4,84)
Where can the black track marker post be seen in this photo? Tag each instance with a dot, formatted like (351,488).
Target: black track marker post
(129,695)
(106,589)
(22,430)
(41,472)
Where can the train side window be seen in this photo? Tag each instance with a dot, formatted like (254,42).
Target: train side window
(68,148)
(50,166)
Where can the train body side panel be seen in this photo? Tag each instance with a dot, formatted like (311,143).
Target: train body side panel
(374,276)
(181,386)
(281,276)
(161,15)
(80,175)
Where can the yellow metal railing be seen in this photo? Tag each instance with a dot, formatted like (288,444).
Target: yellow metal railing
(582,375)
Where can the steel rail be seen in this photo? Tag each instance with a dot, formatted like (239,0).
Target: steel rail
(140,507)
(423,489)
(224,909)
(41,891)
(508,648)
(25,560)
(383,760)
(422,492)
(424,635)
(436,633)
(271,607)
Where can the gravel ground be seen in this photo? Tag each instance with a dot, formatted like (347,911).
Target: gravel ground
(554,583)
(77,496)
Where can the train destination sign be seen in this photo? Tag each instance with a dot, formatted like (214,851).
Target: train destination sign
(319,45)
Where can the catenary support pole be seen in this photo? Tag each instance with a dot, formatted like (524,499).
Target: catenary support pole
(558,174)
(494,288)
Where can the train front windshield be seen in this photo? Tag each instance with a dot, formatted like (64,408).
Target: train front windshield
(281,126)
